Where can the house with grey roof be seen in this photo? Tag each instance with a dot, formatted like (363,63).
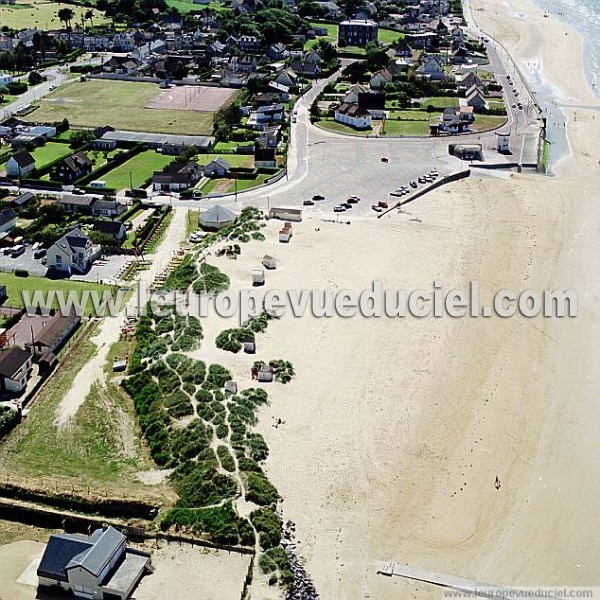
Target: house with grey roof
(96,566)
(73,252)
(217,167)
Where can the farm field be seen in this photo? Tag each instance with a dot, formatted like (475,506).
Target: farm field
(120,104)
(42,14)
(140,167)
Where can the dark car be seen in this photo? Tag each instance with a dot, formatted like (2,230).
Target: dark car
(346,205)
(318,197)
(39,253)
(308,203)
(413,184)
(384,159)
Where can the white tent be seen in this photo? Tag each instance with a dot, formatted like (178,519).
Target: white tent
(217,217)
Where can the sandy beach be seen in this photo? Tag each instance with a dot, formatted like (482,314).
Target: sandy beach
(396,429)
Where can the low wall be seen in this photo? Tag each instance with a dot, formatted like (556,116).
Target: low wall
(435,185)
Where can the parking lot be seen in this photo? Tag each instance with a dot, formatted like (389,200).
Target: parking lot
(26,261)
(107,268)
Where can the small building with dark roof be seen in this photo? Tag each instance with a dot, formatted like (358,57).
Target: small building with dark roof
(74,167)
(8,219)
(21,200)
(113,229)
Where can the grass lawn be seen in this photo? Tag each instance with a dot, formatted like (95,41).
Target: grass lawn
(487,122)
(192,221)
(411,115)
(140,167)
(441,101)
(50,152)
(226,185)
(331,125)
(235,160)
(101,447)
(120,104)
(389,37)
(400,128)
(42,14)
(16,285)
(332,32)
(186,6)
(224,146)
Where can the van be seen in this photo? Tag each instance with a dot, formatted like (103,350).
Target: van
(17,250)
(98,184)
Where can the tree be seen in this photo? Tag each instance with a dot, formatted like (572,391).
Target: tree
(35,78)
(89,16)
(66,16)
(81,137)
(326,50)
(3,92)
(376,58)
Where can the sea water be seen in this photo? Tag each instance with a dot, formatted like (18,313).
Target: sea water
(584,17)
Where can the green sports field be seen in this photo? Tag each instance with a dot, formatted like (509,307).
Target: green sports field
(120,104)
(42,14)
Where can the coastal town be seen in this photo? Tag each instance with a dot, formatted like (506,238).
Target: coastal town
(203,147)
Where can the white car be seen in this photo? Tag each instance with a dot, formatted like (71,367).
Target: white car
(339,208)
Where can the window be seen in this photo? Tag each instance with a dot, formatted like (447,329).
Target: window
(58,259)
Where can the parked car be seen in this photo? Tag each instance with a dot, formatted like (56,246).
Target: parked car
(339,208)
(383,204)
(520,106)
(376,208)
(346,205)
(308,203)
(422,180)
(196,194)
(39,253)
(78,192)
(413,184)
(318,197)
(352,200)
(384,159)
(17,250)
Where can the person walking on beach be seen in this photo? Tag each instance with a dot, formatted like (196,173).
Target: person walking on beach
(497,483)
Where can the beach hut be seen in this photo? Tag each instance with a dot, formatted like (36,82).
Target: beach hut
(265,373)
(258,277)
(285,234)
(289,214)
(268,262)
(217,217)
(231,386)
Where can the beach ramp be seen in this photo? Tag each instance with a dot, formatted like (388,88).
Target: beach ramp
(469,586)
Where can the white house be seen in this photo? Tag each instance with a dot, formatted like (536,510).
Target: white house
(287,77)
(15,365)
(380,79)
(432,69)
(353,115)
(5,79)
(98,566)
(351,96)
(73,252)
(20,164)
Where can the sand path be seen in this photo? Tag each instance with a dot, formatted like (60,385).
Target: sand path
(110,327)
